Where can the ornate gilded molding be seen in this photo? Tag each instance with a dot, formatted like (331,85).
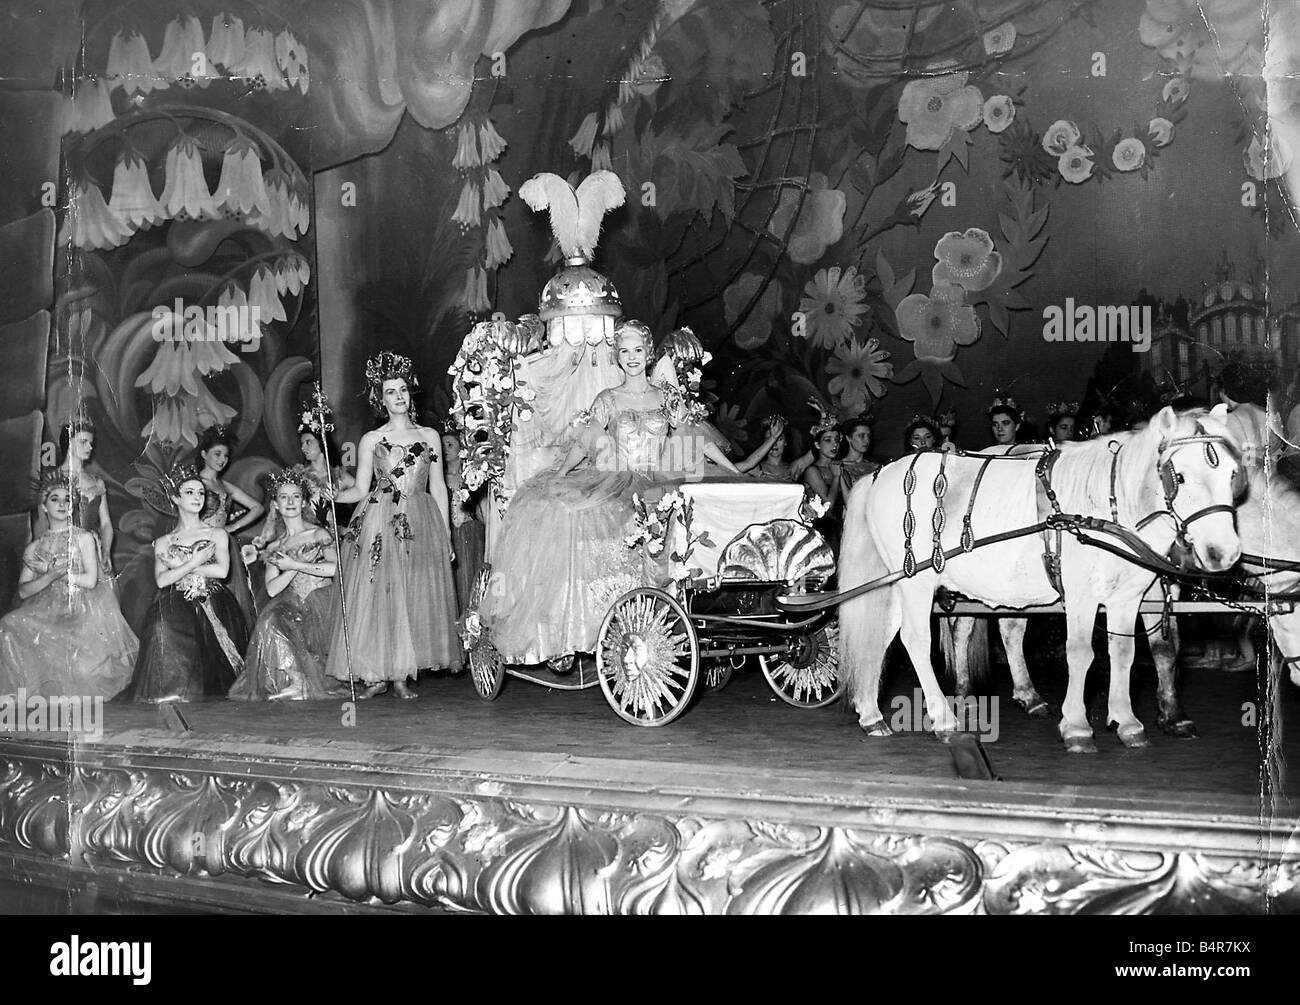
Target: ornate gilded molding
(457,842)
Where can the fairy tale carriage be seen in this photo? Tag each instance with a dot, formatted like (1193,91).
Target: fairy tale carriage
(695,592)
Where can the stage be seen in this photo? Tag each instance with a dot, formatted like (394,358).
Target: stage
(545,802)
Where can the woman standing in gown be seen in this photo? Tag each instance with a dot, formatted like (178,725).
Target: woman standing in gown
(213,457)
(399,595)
(67,636)
(290,642)
(194,633)
(856,465)
(563,543)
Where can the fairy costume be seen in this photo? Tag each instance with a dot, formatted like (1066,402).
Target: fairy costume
(563,556)
(66,640)
(399,595)
(194,637)
(216,513)
(290,643)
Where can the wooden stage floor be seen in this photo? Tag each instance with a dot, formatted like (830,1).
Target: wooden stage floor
(544,801)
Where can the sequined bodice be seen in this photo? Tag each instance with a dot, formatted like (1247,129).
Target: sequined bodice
(638,437)
(216,508)
(50,546)
(305,583)
(402,470)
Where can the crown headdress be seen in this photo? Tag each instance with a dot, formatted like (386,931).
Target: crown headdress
(1063,408)
(1003,400)
(171,480)
(51,479)
(387,366)
(214,435)
(825,424)
(78,423)
(297,475)
(948,418)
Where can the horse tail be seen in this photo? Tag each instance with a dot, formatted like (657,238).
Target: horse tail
(976,654)
(868,623)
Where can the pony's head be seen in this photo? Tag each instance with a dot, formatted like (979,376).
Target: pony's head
(1201,477)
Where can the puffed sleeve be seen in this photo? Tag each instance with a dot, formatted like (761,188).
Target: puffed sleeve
(589,428)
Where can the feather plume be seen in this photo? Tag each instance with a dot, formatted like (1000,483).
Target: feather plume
(575,216)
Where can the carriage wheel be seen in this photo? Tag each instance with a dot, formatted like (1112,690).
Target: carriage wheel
(808,678)
(717,674)
(647,657)
(487,669)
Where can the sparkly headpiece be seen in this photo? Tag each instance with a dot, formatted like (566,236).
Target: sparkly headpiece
(51,479)
(297,474)
(1002,401)
(172,480)
(921,421)
(826,424)
(214,435)
(1060,409)
(77,424)
(948,418)
(387,366)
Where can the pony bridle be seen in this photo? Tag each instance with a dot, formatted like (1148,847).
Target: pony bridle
(1171,479)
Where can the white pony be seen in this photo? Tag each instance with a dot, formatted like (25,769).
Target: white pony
(1175,477)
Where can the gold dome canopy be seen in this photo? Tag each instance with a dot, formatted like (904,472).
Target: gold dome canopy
(579,305)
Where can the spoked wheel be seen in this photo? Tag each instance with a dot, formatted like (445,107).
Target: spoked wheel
(647,657)
(717,674)
(809,677)
(487,669)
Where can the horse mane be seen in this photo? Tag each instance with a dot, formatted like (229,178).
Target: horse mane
(1081,475)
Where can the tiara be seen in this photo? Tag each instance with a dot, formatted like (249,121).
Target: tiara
(215,434)
(1063,408)
(826,424)
(78,424)
(179,473)
(948,418)
(1001,400)
(294,475)
(51,479)
(387,366)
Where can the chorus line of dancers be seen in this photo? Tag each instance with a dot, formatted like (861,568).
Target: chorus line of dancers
(411,550)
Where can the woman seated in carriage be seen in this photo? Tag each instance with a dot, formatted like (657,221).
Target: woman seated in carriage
(563,554)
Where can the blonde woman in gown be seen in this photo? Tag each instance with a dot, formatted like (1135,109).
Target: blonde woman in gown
(67,636)
(563,556)
(290,642)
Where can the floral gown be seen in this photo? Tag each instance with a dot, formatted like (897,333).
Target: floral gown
(193,640)
(66,640)
(400,598)
(287,652)
(563,557)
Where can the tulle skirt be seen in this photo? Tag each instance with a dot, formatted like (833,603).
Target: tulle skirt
(561,562)
(287,653)
(190,650)
(61,644)
(400,597)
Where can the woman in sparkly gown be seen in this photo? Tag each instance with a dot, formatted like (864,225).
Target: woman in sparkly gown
(67,636)
(194,636)
(287,652)
(227,506)
(399,610)
(563,556)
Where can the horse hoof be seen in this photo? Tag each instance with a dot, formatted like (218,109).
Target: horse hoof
(1080,745)
(1182,729)
(1037,709)
(946,735)
(877,728)
(1133,737)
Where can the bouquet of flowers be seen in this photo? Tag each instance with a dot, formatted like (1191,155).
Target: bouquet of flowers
(488,395)
(653,525)
(195,586)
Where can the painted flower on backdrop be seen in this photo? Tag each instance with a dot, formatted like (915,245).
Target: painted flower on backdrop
(819,225)
(938,322)
(731,423)
(1265,164)
(1205,38)
(1175,91)
(966,260)
(998,113)
(757,326)
(1129,154)
(832,305)
(1000,40)
(857,374)
(1076,165)
(1061,135)
(932,108)
(1160,131)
